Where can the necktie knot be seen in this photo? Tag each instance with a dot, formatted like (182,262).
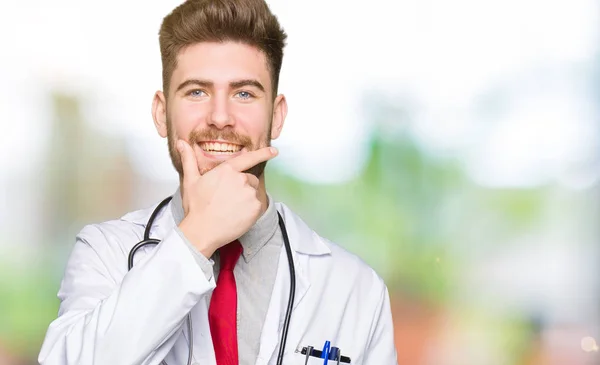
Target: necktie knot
(229,254)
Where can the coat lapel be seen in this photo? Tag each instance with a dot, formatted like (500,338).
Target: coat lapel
(304,243)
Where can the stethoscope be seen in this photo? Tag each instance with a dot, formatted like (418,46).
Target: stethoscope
(286,323)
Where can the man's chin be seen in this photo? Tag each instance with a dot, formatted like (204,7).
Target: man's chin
(205,166)
(257,170)
(211,163)
(208,167)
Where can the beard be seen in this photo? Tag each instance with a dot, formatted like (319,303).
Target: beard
(197,136)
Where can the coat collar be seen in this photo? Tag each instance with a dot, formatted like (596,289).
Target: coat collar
(302,238)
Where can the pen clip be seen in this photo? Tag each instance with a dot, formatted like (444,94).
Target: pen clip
(325,353)
(308,354)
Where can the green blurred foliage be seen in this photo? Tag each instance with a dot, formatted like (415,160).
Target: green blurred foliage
(389,215)
(28,304)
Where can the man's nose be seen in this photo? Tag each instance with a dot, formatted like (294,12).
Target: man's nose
(220,116)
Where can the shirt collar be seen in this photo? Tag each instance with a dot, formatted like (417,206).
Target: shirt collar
(253,240)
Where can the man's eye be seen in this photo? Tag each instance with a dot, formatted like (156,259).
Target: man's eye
(244,95)
(196,93)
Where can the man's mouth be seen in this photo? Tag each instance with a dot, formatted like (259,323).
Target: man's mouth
(220,148)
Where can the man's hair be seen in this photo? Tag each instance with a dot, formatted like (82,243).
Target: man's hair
(247,21)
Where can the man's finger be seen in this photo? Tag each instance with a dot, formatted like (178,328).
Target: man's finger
(252,180)
(250,159)
(188,160)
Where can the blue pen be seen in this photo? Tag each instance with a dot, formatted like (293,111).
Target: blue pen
(325,353)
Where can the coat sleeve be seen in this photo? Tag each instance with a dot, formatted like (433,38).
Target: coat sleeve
(381,348)
(128,318)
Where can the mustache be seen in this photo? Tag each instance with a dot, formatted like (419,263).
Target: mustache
(211,134)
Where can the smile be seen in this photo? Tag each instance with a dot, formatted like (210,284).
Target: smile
(220,148)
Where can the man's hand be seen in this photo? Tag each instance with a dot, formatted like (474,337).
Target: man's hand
(221,205)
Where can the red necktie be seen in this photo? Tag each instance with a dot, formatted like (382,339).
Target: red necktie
(222,313)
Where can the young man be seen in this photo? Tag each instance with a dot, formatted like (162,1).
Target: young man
(222,258)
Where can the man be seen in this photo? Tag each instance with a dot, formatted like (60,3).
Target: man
(222,258)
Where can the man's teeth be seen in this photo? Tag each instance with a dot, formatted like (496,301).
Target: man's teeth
(220,148)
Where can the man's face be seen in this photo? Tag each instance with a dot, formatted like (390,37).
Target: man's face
(220,101)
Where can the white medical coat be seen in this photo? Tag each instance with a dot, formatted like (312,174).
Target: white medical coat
(109,316)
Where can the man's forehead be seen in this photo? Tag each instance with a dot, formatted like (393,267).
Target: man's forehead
(222,62)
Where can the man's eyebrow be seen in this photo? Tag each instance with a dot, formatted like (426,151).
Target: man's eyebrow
(247,82)
(196,82)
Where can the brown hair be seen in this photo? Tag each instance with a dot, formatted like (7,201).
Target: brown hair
(246,21)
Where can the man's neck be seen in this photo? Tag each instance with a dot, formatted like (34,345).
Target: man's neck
(262,194)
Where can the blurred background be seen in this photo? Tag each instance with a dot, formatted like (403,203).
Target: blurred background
(454,145)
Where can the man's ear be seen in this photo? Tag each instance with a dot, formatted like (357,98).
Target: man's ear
(280,110)
(159,113)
